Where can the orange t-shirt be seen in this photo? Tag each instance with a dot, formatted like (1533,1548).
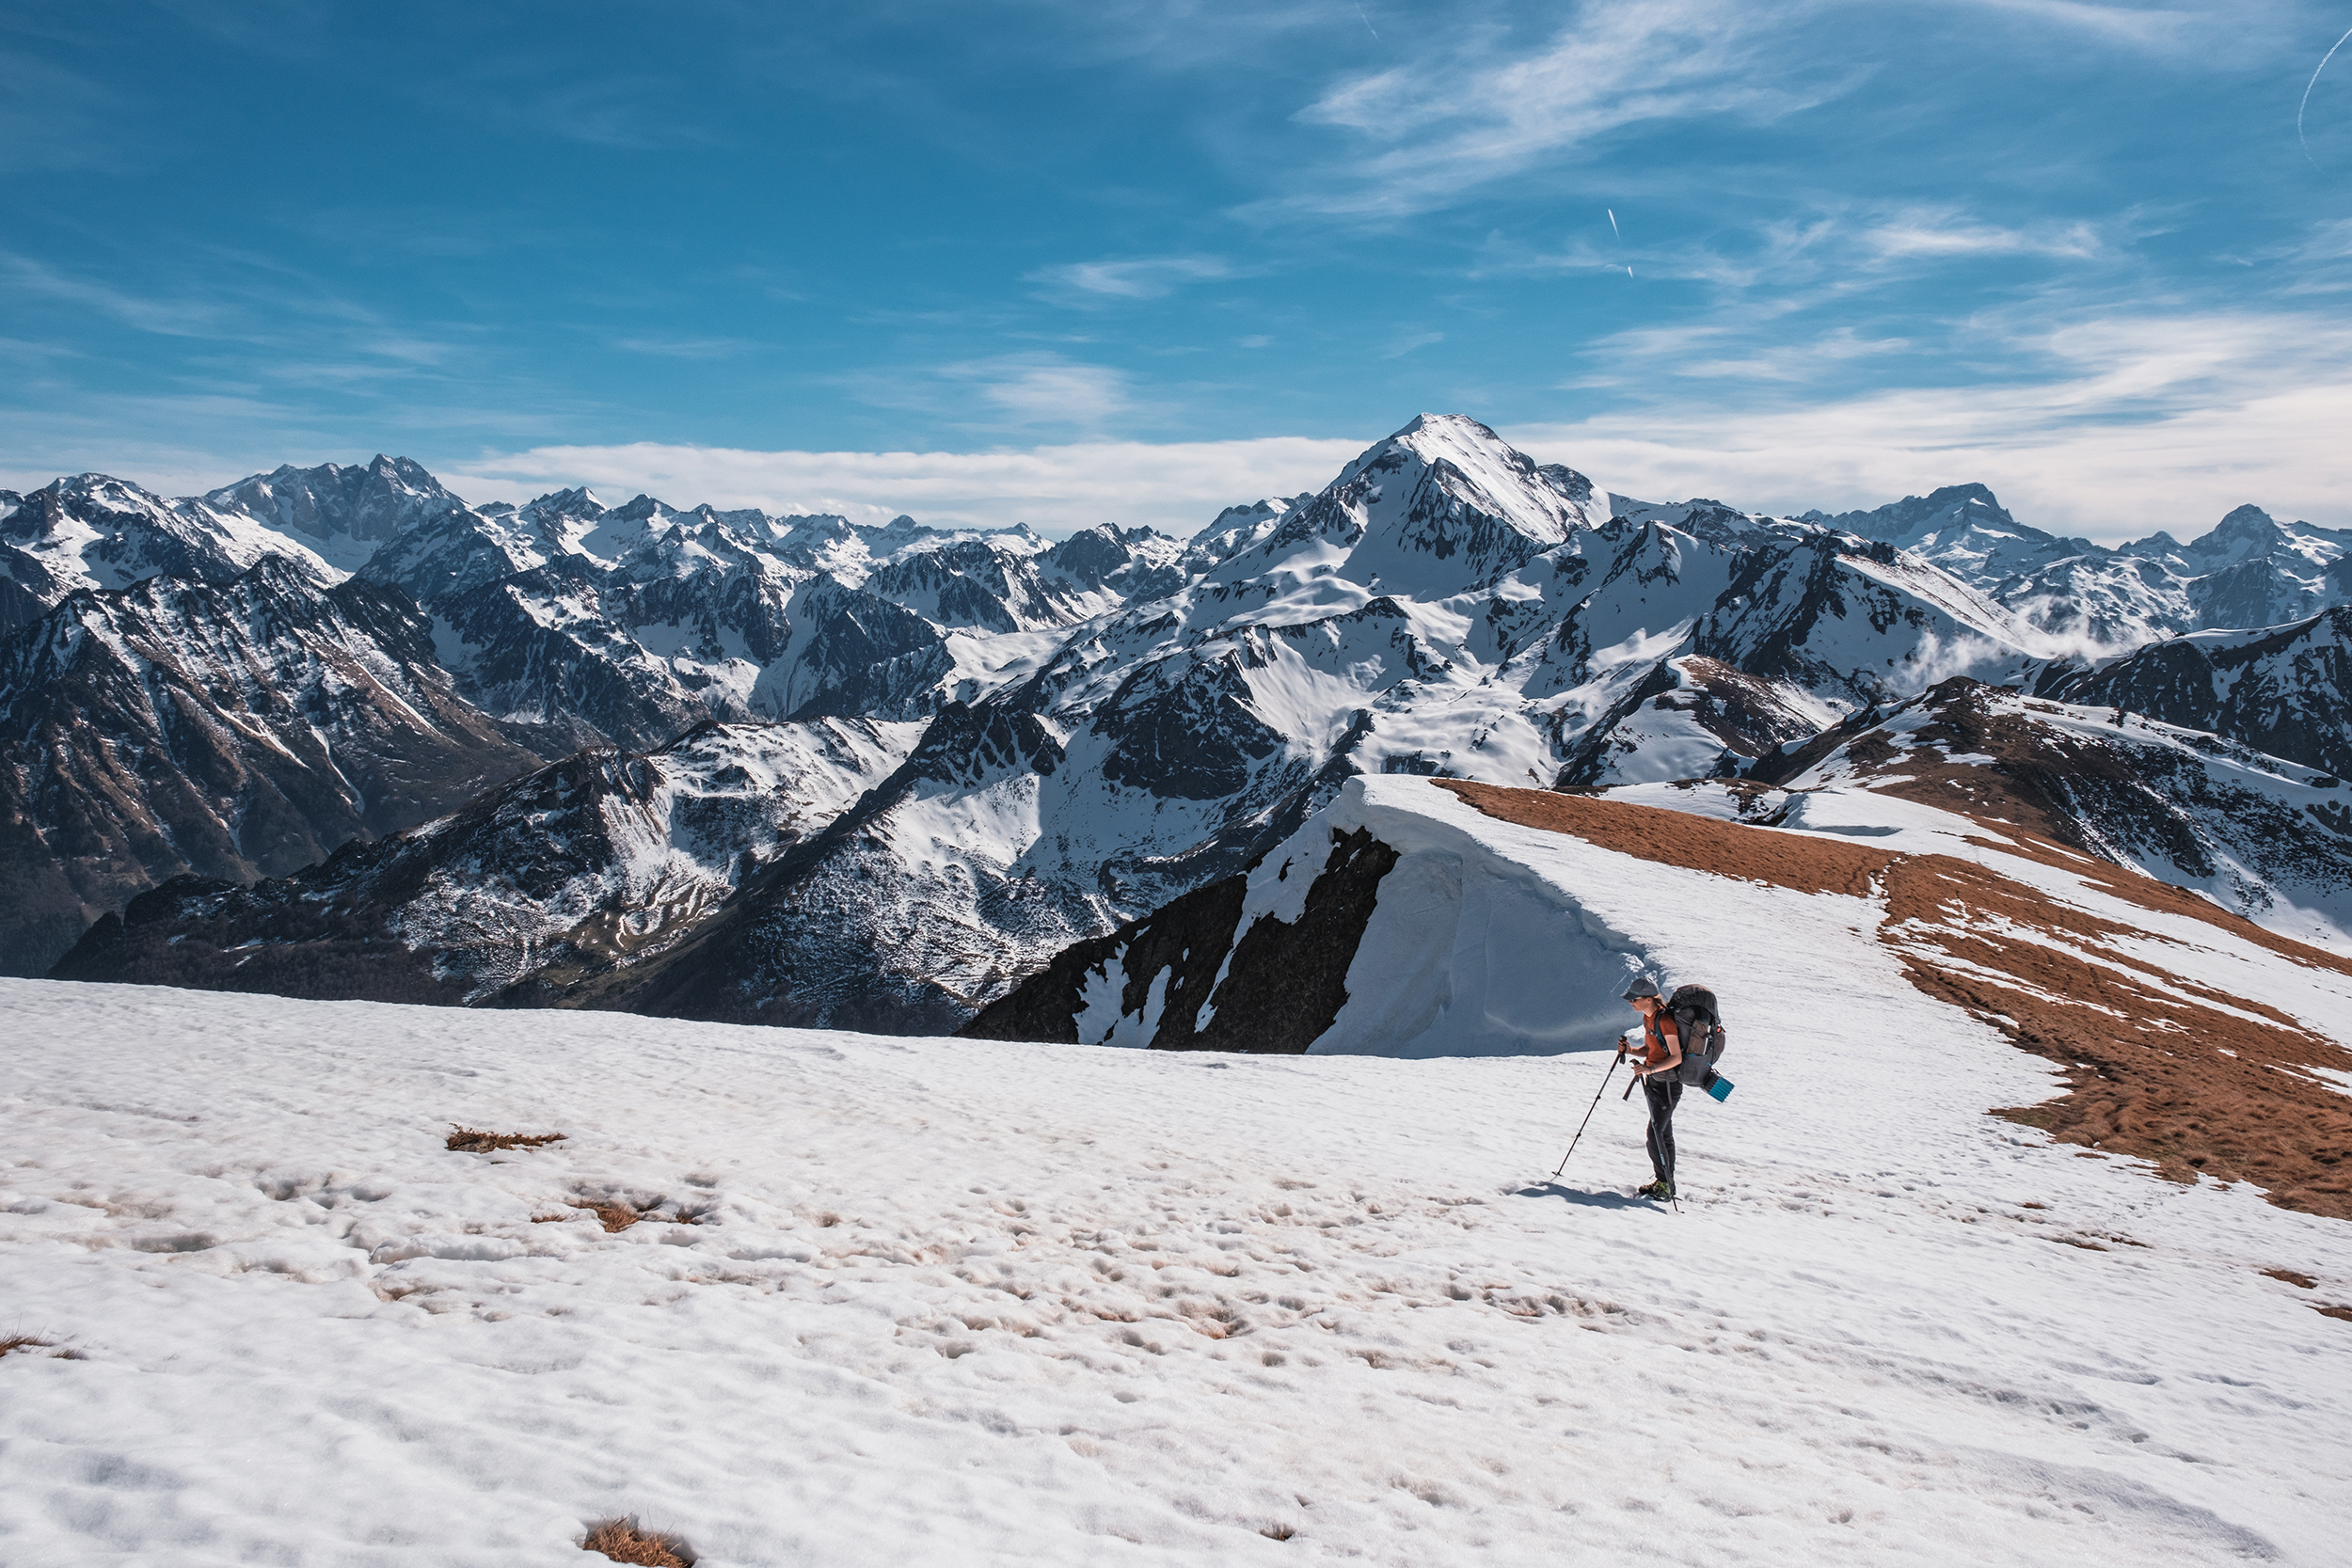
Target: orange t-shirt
(1656,1030)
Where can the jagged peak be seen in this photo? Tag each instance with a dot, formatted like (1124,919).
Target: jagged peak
(90,484)
(1476,471)
(2248,521)
(577,501)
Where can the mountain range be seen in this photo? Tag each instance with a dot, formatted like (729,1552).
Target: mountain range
(334,731)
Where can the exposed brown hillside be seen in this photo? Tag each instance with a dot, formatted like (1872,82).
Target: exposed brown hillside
(1676,838)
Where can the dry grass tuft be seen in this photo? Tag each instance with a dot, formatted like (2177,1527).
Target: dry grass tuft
(617,1217)
(472,1140)
(21,1341)
(622,1540)
(1278,1532)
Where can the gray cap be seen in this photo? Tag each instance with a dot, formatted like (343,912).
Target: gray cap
(1641,987)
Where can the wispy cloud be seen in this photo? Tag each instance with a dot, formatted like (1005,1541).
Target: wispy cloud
(2153,28)
(1480,104)
(1007,394)
(1861,245)
(1131,278)
(1791,360)
(1434,131)
(180,316)
(55,118)
(1943,232)
(1404,346)
(684,348)
(287,328)
(1046,389)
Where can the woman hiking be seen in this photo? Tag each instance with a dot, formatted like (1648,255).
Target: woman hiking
(1661,1085)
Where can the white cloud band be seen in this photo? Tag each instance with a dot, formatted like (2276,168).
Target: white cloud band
(1176,486)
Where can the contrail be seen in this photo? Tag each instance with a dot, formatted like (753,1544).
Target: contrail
(1613,225)
(1375,32)
(2306,99)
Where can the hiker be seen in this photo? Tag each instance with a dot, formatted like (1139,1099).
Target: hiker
(1661,1079)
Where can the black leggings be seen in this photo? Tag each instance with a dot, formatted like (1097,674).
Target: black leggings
(1663,1092)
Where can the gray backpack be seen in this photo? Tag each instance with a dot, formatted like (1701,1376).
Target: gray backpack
(1701,1028)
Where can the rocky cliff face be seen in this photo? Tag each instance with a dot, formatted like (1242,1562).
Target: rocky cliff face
(235,730)
(2286,691)
(595,862)
(342,514)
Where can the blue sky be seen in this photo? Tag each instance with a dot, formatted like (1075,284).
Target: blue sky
(1074,261)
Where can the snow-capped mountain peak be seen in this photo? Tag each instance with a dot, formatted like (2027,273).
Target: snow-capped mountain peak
(342,513)
(578,502)
(1443,506)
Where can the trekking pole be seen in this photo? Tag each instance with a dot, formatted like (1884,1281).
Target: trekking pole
(1589,1110)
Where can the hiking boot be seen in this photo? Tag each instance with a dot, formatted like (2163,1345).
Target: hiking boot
(1655,1189)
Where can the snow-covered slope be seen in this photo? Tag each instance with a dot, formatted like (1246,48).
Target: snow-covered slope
(1399,921)
(897,1301)
(1441,507)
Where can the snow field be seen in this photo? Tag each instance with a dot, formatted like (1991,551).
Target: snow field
(950,1302)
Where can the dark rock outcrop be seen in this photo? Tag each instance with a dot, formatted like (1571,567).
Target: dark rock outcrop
(1272,991)
(2287,691)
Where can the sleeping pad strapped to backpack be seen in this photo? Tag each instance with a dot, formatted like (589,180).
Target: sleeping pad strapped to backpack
(1702,1030)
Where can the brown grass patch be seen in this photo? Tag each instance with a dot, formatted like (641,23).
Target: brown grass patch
(2147,1056)
(472,1140)
(617,1217)
(624,1540)
(1677,838)
(2343,1314)
(21,1341)
(2292,1277)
